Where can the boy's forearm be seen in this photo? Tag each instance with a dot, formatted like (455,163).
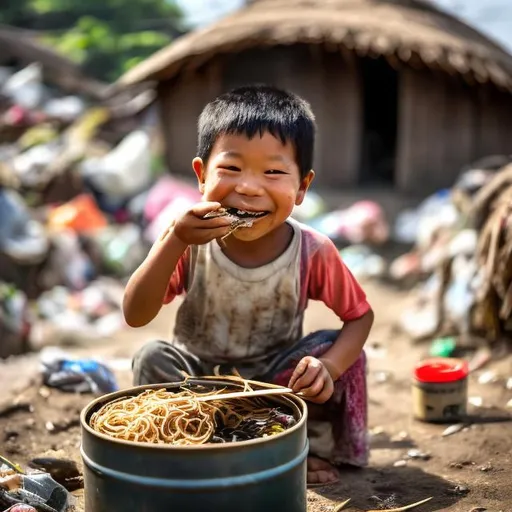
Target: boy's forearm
(348,345)
(146,287)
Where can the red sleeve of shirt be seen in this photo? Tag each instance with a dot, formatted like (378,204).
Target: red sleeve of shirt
(331,282)
(178,282)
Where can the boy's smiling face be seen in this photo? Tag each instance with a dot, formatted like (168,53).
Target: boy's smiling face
(258,176)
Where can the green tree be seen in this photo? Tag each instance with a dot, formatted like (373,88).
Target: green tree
(106,37)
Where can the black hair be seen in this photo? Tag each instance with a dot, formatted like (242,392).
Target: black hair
(258,109)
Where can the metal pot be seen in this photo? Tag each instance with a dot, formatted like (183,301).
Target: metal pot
(260,475)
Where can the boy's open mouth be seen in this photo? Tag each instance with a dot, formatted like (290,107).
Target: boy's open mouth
(243,214)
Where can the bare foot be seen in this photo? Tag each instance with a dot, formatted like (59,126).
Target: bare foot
(320,472)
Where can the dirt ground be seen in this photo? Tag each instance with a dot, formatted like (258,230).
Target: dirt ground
(469,469)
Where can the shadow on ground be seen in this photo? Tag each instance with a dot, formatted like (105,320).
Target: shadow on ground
(388,487)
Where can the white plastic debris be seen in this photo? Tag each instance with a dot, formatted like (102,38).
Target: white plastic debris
(123,172)
(25,87)
(67,108)
(487,377)
(5,74)
(453,429)
(32,166)
(477,401)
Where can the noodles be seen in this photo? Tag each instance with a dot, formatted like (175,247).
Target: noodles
(159,416)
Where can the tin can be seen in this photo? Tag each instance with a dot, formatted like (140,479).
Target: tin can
(440,390)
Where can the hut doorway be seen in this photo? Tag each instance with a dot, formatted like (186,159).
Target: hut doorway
(380,122)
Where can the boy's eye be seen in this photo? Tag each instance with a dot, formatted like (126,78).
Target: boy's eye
(274,171)
(232,168)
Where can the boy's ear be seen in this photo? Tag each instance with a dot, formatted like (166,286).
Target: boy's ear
(199,169)
(304,185)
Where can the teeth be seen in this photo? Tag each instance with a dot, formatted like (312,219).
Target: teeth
(241,213)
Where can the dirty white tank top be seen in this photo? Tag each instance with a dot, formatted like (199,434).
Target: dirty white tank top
(231,313)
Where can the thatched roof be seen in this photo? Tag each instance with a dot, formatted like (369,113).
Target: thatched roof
(410,31)
(20,47)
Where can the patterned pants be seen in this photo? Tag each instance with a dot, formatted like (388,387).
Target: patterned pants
(339,435)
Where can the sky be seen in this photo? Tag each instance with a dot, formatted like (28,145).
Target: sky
(493,17)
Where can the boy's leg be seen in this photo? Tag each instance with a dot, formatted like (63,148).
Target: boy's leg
(158,361)
(338,435)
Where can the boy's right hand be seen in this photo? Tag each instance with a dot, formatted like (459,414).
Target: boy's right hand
(192,229)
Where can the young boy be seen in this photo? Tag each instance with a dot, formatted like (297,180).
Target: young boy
(245,292)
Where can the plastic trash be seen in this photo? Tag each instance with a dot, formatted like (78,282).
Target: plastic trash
(443,347)
(76,375)
(67,108)
(13,320)
(421,320)
(421,224)
(73,267)
(460,296)
(312,206)
(21,238)
(166,216)
(363,222)
(26,86)
(123,172)
(122,248)
(362,262)
(33,166)
(166,191)
(21,508)
(5,74)
(41,134)
(406,266)
(80,214)
(36,490)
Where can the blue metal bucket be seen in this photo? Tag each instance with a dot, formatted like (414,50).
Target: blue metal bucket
(261,475)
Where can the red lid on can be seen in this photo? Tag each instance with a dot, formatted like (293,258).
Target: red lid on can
(441,370)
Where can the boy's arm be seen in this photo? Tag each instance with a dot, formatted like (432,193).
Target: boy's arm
(348,345)
(330,281)
(146,287)
(145,291)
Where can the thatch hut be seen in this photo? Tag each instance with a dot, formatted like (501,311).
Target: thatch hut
(404,93)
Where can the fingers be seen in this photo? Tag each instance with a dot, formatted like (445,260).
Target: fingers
(325,394)
(204,207)
(305,373)
(316,386)
(214,222)
(312,379)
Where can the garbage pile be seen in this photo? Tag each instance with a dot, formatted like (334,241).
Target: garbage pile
(31,490)
(463,250)
(357,231)
(81,200)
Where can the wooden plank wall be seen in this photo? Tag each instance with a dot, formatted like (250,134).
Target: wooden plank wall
(494,128)
(181,103)
(328,81)
(436,131)
(444,125)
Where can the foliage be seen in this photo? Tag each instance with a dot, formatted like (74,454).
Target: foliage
(106,37)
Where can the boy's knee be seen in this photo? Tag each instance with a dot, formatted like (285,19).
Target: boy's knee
(149,354)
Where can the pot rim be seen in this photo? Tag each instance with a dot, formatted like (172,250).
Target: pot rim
(296,401)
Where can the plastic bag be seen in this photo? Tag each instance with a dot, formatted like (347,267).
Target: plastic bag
(37,490)
(166,191)
(123,172)
(21,238)
(81,215)
(76,375)
(26,86)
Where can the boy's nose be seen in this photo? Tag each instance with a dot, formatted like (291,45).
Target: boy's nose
(248,187)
